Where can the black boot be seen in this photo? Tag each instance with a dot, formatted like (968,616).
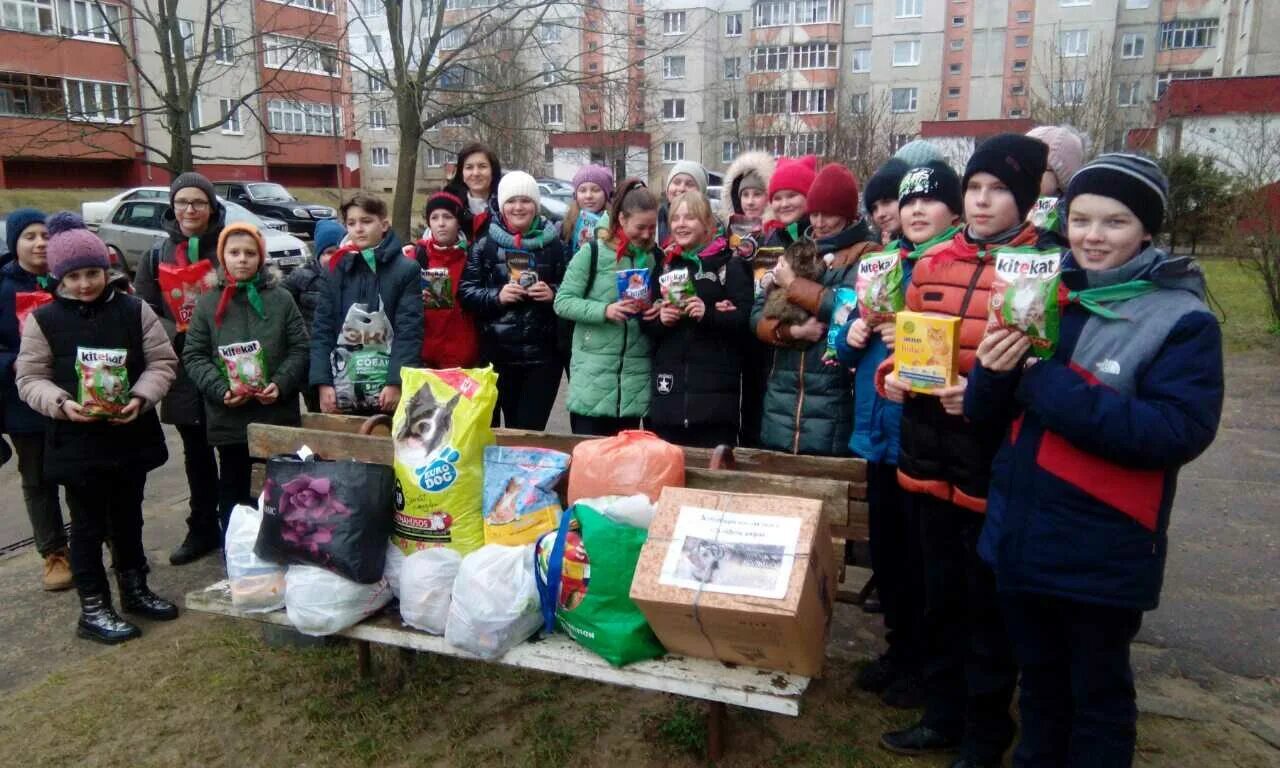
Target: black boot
(100,622)
(136,598)
(196,545)
(877,675)
(918,739)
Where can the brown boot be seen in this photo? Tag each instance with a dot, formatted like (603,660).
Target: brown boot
(57,571)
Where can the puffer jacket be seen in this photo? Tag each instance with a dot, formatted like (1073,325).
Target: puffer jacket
(18,418)
(306,285)
(449,335)
(183,405)
(609,366)
(760,163)
(697,364)
(523,333)
(1084,480)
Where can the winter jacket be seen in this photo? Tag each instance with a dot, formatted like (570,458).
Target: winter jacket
(523,333)
(283,336)
(1084,480)
(18,418)
(183,405)
(395,288)
(609,367)
(47,377)
(449,335)
(939,454)
(306,285)
(762,164)
(697,364)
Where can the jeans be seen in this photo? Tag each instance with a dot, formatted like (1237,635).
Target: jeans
(202,478)
(233,480)
(600,426)
(894,529)
(105,505)
(526,394)
(41,497)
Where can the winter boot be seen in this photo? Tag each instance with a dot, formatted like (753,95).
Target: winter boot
(57,571)
(100,622)
(135,597)
(196,545)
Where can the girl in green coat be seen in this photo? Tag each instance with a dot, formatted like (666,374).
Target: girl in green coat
(609,369)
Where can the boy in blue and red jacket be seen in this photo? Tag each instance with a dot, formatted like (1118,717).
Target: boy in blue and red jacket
(1081,490)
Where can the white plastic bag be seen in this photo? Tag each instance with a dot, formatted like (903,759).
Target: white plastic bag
(322,603)
(636,511)
(394,567)
(495,601)
(426,588)
(257,585)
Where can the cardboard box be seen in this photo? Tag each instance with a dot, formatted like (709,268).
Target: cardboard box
(925,351)
(742,578)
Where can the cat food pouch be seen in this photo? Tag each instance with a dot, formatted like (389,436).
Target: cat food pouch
(520,501)
(881,291)
(1024,295)
(1044,214)
(846,303)
(521,269)
(437,288)
(362,359)
(439,434)
(744,235)
(634,284)
(181,287)
(245,366)
(677,287)
(765,260)
(104,388)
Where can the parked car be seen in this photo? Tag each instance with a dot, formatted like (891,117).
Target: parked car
(133,228)
(94,213)
(554,187)
(267,198)
(554,209)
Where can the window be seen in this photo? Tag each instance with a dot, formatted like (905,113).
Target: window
(453,39)
(1023,17)
(729,110)
(1188,33)
(302,117)
(808,144)
(1135,5)
(230,111)
(770,58)
(437,157)
(1129,94)
(548,154)
(1019,65)
(903,99)
(380,157)
(672,151)
(953,115)
(1074,42)
(224,45)
(957,44)
(812,102)
(280,52)
(672,67)
(774,144)
(372,43)
(733,68)
(733,25)
(769,103)
(31,95)
(97,102)
(908,9)
(187,31)
(1015,113)
(672,109)
(457,121)
(27,15)
(1164,78)
(863,13)
(548,33)
(1133,45)
(323,6)
(858,103)
(1021,41)
(861,59)
(1066,93)
(372,8)
(553,114)
(673,23)
(957,21)
(377,86)
(1018,90)
(953,92)
(815,56)
(85,18)
(771,14)
(813,11)
(906,53)
(378,119)
(955,68)
(728,151)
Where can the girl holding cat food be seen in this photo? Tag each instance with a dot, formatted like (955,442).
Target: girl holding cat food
(449,338)
(1081,489)
(592,191)
(703,294)
(247,352)
(609,367)
(369,324)
(96,362)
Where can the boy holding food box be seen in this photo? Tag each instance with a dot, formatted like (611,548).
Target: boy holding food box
(1082,486)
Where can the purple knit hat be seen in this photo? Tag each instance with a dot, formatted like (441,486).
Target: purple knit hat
(596,174)
(73,247)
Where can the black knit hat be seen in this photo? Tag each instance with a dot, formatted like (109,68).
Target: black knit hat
(883,184)
(936,181)
(445,201)
(1018,161)
(1131,179)
(192,179)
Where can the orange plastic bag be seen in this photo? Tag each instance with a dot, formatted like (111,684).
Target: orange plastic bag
(631,462)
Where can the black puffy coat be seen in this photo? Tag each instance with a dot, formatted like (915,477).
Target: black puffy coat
(306,285)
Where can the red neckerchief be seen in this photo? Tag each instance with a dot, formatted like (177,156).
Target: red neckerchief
(180,253)
(339,254)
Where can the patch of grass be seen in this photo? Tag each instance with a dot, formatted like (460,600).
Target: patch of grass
(684,729)
(1238,297)
(51,200)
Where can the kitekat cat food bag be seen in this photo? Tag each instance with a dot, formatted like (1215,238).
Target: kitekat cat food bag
(245,366)
(1024,296)
(881,292)
(677,287)
(104,388)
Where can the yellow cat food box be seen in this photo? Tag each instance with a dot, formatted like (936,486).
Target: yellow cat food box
(925,350)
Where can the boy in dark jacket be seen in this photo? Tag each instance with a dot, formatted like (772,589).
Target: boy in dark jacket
(369,324)
(1081,490)
(449,338)
(306,283)
(881,198)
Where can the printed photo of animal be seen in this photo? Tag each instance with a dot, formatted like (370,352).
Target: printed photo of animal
(428,423)
(939,346)
(747,566)
(805,262)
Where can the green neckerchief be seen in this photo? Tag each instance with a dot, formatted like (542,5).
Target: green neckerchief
(193,249)
(250,287)
(43,281)
(370,259)
(923,248)
(1093,299)
(641,257)
(793,229)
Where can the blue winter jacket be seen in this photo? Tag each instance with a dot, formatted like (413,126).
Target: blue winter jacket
(19,419)
(1082,486)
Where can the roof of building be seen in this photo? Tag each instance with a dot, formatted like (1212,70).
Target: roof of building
(1142,139)
(1220,96)
(931,129)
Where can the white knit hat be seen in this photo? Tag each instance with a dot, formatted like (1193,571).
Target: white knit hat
(691,169)
(517,184)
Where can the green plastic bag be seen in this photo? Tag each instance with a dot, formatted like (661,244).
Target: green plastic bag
(584,582)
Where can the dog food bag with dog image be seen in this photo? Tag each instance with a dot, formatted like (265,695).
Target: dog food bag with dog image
(1024,296)
(677,287)
(520,501)
(362,359)
(880,287)
(439,433)
(633,284)
(104,381)
(245,366)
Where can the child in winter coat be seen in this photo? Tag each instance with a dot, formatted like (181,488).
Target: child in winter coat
(684,176)
(449,336)
(1066,155)
(746,184)
(704,297)
(945,461)
(509,284)
(592,191)
(1083,484)
(24,285)
(95,362)
(247,351)
(369,324)
(609,380)
(881,198)
(930,206)
(306,283)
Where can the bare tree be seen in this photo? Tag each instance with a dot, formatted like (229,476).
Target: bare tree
(866,132)
(1075,87)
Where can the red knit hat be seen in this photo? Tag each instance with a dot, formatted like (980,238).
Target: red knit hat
(794,175)
(834,192)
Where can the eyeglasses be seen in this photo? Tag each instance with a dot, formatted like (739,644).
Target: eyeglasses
(191,205)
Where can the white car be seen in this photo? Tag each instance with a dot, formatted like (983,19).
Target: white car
(94,213)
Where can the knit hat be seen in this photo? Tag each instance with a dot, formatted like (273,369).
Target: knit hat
(445,201)
(1132,179)
(17,221)
(517,184)
(73,247)
(690,168)
(936,181)
(196,180)
(795,175)
(1018,161)
(596,174)
(1066,150)
(250,286)
(883,184)
(242,228)
(834,191)
(329,234)
(918,152)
